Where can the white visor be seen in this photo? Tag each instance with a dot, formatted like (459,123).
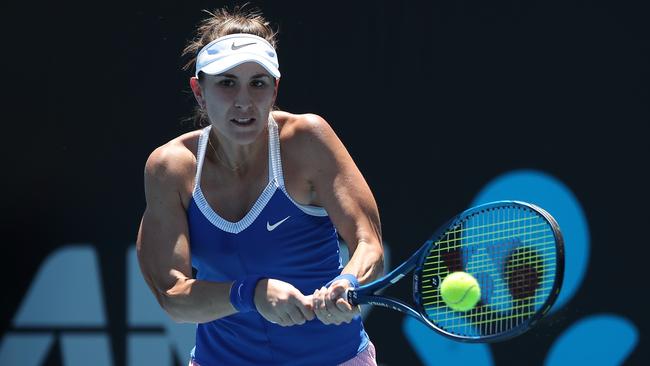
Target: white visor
(232,50)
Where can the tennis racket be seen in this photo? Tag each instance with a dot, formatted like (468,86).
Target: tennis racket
(514,250)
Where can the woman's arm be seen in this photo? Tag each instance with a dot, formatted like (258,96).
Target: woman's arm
(163,244)
(164,254)
(339,187)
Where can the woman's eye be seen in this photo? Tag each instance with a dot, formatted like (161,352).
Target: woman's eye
(258,83)
(226,82)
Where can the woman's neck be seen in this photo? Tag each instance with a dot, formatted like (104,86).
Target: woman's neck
(238,159)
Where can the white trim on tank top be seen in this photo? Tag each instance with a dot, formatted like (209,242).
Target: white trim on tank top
(276,180)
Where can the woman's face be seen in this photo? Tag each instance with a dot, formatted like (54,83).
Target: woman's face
(238,101)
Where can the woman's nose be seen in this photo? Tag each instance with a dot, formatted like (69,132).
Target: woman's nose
(243,100)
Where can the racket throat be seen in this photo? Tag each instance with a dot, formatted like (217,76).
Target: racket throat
(390,303)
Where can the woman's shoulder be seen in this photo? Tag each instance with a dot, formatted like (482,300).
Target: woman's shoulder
(306,139)
(175,159)
(301,128)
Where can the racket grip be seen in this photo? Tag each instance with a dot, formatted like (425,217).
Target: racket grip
(350,296)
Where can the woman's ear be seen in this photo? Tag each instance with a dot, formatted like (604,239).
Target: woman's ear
(275,92)
(196,89)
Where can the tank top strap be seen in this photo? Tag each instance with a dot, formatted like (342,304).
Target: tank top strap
(200,156)
(275,161)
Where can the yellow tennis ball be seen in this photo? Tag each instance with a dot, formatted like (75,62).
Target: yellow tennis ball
(460,291)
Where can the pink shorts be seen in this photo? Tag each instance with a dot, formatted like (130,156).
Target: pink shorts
(365,358)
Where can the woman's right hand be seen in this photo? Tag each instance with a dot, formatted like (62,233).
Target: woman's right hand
(281,303)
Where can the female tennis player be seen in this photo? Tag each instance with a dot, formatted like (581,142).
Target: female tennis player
(253,202)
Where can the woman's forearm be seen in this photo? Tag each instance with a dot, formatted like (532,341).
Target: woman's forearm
(367,262)
(196,301)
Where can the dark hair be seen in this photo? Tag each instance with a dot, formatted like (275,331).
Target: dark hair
(222,22)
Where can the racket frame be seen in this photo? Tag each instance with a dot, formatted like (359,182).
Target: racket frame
(366,294)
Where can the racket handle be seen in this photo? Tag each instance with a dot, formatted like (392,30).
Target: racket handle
(350,296)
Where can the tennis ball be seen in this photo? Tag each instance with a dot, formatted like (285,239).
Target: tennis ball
(460,291)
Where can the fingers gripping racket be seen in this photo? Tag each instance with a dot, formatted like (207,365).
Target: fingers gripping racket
(514,250)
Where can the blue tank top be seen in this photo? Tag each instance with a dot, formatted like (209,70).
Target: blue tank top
(278,238)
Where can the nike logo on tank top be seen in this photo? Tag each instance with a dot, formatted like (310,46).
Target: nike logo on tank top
(278,238)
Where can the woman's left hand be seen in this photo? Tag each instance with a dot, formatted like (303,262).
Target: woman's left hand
(329,305)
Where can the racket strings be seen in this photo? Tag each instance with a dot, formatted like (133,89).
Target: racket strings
(460,230)
(492,314)
(491,239)
(496,295)
(549,253)
(511,252)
